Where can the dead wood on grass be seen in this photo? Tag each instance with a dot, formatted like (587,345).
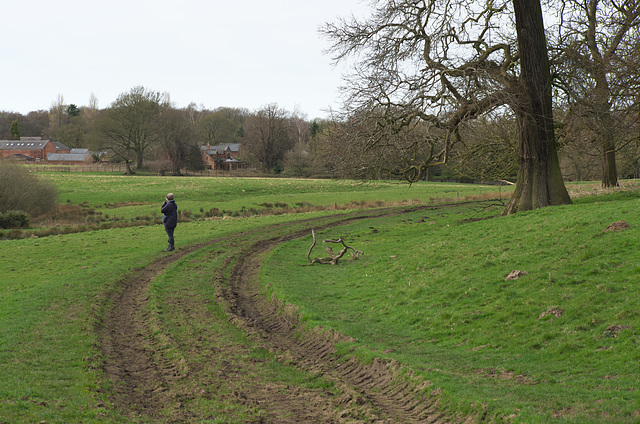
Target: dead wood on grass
(333,258)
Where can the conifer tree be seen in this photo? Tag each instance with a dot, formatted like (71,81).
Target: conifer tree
(15,130)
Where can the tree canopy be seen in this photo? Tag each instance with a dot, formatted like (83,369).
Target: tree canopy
(594,47)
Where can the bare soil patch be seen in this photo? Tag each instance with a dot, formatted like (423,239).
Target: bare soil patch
(617,226)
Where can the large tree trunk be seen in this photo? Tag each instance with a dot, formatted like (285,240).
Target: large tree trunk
(609,169)
(540,180)
(601,105)
(605,133)
(128,170)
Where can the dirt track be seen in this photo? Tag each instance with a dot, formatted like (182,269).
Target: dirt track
(150,386)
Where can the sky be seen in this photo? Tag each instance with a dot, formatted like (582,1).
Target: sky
(214,53)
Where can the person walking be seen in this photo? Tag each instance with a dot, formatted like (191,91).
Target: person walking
(170,219)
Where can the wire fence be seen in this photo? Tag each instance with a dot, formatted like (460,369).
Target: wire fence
(77,168)
(121,169)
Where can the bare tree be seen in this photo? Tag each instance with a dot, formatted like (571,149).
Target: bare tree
(215,128)
(91,112)
(131,125)
(370,146)
(442,63)
(35,123)
(73,132)
(175,133)
(595,43)
(488,149)
(300,127)
(325,148)
(539,180)
(298,160)
(267,136)
(57,117)
(579,160)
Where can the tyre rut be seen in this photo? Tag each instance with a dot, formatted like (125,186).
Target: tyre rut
(146,385)
(315,351)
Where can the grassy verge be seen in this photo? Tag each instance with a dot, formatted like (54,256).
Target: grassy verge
(557,344)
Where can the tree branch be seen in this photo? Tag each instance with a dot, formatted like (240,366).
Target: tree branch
(333,258)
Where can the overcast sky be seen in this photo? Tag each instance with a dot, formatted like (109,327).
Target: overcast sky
(213,53)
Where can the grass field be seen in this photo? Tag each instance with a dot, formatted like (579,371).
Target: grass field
(132,196)
(557,344)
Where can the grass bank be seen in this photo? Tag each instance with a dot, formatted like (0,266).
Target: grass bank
(558,344)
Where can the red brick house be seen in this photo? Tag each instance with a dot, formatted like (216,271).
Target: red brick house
(225,157)
(33,147)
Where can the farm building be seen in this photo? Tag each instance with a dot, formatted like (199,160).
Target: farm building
(34,148)
(223,157)
(74,157)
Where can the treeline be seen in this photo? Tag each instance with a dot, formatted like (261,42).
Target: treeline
(143,130)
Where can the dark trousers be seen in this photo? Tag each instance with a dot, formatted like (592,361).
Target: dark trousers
(169,231)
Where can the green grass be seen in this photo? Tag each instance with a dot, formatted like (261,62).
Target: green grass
(128,197)
(50,297)
(433,295)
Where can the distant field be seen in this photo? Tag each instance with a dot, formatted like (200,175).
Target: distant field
(140,195)
(558,344)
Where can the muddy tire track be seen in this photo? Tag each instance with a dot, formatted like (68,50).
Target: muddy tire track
(394,396)
(149,387)
(140,382)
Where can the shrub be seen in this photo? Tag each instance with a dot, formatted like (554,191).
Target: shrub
(161,167)
(213,212)
(14,219)
(14,234)
(21,190)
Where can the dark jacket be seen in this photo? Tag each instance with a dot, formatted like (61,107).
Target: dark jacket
(170,211)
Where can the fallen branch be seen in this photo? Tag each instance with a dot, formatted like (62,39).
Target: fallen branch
(333,258)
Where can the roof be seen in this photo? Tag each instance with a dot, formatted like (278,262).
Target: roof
(60,146)
(23,144)
(232,147)
(69,157)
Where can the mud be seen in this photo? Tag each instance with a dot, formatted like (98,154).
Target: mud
(149,387)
